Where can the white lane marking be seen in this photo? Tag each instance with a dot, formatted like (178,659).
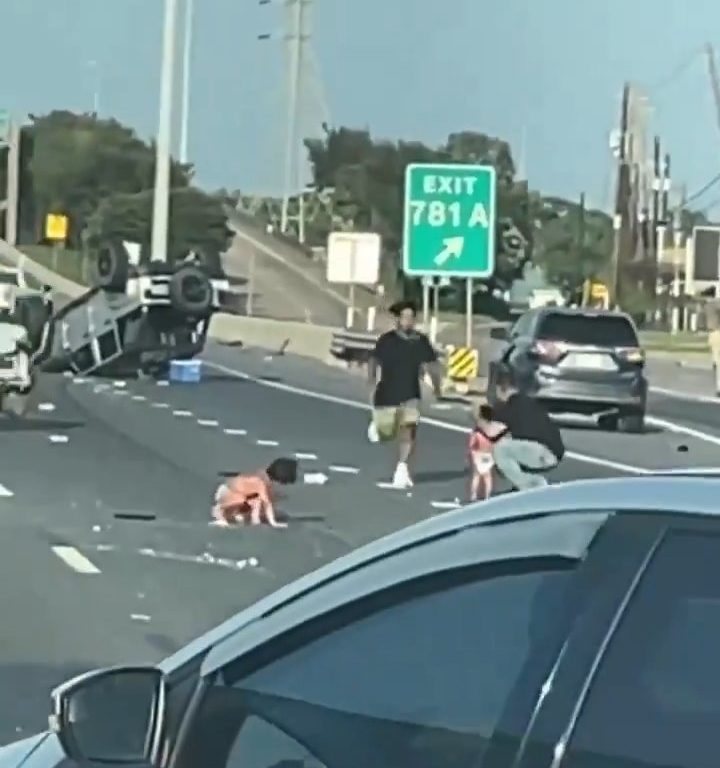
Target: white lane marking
(162,383)
(441,406)
(315,478)
(305,456)
(388,486)
(681,429)
(204,559)
(208,422)
(47,407)
(231,431)
(709,399)
(120,384)
(79,380)
(59,439)
(182,414)
(5,492)
(344,470)
(139,398)
(75,560)
(140,617)
(445,504)
(160,405)
(291,389)
(268,443)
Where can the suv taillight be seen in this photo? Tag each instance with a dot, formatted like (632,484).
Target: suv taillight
(549,351)
(631,354)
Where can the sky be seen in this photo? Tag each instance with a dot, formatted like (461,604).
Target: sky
(546,76)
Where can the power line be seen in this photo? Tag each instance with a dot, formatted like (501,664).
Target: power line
(710,184)
(682,66)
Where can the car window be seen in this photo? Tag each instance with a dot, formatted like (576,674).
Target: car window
(656,698)
(8,278)
(423,683)
(522,326)
(599,330)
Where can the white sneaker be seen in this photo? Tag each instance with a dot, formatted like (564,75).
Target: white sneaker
(401,478)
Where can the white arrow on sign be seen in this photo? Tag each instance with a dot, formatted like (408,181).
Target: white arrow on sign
(452,248)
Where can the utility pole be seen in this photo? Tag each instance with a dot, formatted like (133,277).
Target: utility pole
(581,229)
(296,41)
(187,66)
(161,200)
(12,196)
(621,221)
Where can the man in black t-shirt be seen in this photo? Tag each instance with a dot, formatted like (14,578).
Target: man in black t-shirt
(403,354)
(532,441)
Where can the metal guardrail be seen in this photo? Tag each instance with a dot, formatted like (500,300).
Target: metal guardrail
(353,346)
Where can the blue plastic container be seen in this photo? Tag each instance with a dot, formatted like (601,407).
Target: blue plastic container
(185,371)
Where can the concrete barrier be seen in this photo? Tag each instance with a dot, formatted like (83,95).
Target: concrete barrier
(42,274)
(303,338)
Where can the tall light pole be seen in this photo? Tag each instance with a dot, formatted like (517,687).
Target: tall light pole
(295,38)
(161,201)
(95,70)
(187,58)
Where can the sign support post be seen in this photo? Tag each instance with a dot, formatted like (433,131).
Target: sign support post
(469,312)
(425,301)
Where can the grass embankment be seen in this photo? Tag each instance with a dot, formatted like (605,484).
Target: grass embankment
(684,341)
(65,262)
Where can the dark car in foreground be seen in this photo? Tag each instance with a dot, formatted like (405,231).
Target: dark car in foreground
(572,626)
(588,362)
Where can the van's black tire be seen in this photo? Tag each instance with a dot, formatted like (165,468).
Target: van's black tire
(112,268)
(191,292)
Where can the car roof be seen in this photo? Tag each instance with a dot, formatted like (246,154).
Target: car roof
(584,312)
(673,493)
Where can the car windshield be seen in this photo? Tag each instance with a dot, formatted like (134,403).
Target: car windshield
(596,330)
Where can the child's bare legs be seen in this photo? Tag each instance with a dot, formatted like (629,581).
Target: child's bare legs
(488,484)
(258,510)
(219,516)
(475,481)
(481,486)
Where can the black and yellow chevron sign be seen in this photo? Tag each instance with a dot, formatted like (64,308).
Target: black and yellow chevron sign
(462,364)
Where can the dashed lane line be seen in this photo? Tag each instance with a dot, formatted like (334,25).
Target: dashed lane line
(75,559)
(5,492)
(363,406)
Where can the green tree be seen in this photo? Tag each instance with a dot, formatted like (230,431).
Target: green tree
(197,223)
(572,244)
(365,178)
(78,160)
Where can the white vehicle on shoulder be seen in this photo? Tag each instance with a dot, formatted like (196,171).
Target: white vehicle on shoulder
(16,352)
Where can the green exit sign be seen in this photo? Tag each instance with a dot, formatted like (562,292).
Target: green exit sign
(449,220)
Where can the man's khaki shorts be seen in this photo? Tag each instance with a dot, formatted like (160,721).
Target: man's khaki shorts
(388,419)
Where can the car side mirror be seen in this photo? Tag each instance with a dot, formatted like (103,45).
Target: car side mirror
(500,334)
(113,716)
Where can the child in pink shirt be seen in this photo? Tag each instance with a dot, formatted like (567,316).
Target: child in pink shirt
(483,435)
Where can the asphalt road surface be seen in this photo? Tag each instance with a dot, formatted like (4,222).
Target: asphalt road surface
(278,290)
(106,554)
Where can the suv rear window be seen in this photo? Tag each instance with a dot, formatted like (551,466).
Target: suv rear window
(598,330)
